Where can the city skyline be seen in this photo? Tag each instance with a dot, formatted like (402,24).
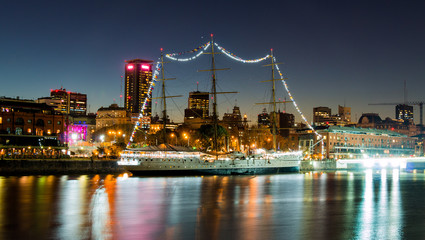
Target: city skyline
(334,54)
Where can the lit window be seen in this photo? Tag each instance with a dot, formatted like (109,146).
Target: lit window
(29,130)
(59,122)
(1,120)
(29,121)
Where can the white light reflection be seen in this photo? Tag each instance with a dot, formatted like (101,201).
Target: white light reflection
(381,217)
(99,215)
(70,205)
(365,223)
(395,214)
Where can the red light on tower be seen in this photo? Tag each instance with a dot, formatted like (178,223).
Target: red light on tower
(129,67)
(145,67)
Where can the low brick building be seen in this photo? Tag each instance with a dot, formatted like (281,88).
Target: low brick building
(26,117)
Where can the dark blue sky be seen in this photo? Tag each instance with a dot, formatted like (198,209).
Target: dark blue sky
(334,52)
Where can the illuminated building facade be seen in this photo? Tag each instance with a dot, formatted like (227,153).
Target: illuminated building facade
(351,142)
(322,116)
(198,105)
(404,112)
(373,120)
(71,103)
(110,116)
(26,117)
(345,113)
(138,77)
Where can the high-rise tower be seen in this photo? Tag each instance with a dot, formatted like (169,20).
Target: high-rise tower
(198,103)
(138,77)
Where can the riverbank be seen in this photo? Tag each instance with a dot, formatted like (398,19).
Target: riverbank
(58,166)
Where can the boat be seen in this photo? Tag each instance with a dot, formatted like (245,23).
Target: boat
(166,159)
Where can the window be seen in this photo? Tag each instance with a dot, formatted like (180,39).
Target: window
(1,120)
(49,121)
(29,121)
(18,131)
(59,122)
(8,120)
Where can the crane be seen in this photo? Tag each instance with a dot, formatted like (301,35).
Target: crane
(419,103)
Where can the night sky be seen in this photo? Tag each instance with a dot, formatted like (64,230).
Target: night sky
(333,52)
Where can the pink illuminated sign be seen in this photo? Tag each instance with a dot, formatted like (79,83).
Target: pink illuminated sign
(145,67)
(129,67)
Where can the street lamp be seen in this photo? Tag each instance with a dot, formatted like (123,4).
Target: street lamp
(186,137)
(172,136)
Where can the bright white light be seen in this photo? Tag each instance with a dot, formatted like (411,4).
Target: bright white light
(74,136)
(368,163)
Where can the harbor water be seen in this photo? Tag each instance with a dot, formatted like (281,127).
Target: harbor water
(369,204)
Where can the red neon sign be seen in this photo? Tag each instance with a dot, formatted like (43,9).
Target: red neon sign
(129,67)
(145,67)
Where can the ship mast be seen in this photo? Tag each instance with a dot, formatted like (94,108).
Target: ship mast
(164,112)
(214,93)
(163,97)
(273,102)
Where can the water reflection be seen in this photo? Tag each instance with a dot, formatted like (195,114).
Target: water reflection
(334,205)
(380,212)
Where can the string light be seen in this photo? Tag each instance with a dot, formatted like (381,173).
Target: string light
(237,58)
(170,56)
(190,51)
(293,101)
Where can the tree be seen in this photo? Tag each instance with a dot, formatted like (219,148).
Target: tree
(206,136)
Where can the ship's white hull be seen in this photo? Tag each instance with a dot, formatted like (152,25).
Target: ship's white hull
(195,166)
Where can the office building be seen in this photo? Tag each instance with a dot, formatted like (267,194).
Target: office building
(404,112)
(138,77)
(264,118)
(198,105)
(66,102)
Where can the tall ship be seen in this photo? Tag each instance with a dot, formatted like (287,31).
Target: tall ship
(166,159)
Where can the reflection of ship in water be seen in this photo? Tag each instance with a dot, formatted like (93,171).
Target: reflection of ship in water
(166,159)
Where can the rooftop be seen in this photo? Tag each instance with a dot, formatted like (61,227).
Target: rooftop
(355,130)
